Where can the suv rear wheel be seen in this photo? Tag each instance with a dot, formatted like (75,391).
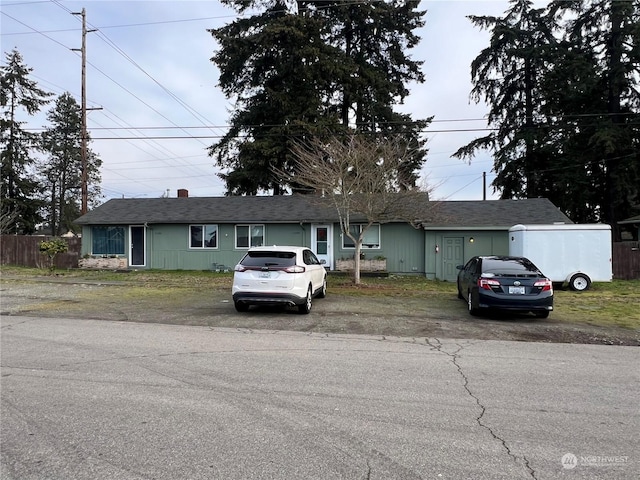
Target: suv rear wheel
(306,306)
(241,307)
(323,290)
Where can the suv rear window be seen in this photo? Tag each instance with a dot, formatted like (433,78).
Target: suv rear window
(269,259)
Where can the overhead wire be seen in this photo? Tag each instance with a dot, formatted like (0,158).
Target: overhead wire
(130,139)
(193,112)
(175,97)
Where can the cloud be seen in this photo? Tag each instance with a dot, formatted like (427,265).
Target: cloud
(149,66)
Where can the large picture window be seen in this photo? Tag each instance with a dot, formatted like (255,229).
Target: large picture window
(371,236)
(249,236)
(203,236)
(107,241)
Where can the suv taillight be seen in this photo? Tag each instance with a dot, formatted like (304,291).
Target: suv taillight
(240,268)
(295,269)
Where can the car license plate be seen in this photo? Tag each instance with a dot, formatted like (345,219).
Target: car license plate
(264,275)
(516,290)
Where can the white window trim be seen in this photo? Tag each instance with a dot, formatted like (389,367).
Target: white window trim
(363,246)
(203,231)
(249,225)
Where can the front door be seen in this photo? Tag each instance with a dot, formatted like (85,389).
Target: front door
(321,244)
(452,255)
(137,255)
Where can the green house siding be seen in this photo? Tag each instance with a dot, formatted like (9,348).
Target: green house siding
(409,251)
(403,247)
(439,264)
(400,244)
(167,246)
(288,234)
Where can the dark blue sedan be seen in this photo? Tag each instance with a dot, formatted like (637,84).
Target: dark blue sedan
(505,283)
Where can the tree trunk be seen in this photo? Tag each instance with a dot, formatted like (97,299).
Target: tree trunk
(53,210)
(615,81)
(356,263)
(529,130)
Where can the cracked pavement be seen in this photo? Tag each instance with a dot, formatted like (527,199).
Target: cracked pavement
(88,399)
(436,344)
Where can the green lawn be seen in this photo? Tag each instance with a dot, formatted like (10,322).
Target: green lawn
(616,303)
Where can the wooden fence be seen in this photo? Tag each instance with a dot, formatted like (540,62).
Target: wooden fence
(24,250)
(626,260)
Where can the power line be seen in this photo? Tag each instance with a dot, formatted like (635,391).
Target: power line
(104,38)
(34,30)
(130,60)
(161,149)
(107,27)
(183,137)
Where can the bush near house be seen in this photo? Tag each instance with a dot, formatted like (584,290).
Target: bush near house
(51,248)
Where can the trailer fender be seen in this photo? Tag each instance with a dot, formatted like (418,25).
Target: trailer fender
(578,281)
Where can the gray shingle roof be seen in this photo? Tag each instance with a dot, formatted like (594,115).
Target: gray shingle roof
(496,213)
(233,209)
(300,208)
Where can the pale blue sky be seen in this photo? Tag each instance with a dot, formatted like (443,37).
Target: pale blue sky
(148,65)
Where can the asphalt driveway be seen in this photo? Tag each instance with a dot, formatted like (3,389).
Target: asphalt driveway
(415,317)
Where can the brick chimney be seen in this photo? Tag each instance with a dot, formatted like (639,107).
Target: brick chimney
(183,193)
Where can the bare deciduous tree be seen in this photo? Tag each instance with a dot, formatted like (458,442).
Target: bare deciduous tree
(361,177)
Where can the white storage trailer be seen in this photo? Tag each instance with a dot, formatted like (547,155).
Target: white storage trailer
(573,254)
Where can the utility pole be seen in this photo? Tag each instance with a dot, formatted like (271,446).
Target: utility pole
(484,185)
(83,147)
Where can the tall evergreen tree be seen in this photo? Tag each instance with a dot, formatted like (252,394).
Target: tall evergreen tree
(306,67)
(563,88)
(373,39)
(61,171)
(507,76)
(269,65)
(19,191)
(574,178)
(608,33)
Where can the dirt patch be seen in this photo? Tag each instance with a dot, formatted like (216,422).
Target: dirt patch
(442,316)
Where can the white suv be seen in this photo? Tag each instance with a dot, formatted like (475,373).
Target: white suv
(278,276)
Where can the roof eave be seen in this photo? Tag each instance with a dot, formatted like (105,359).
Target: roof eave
(467,227)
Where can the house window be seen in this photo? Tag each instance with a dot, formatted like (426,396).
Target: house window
(371,236)
(249,236)
(203,236)
(107,241)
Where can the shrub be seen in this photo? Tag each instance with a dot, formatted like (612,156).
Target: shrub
(51,248)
